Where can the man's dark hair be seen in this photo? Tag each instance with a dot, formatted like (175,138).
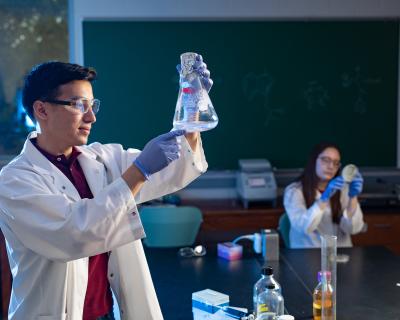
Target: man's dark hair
(43,81)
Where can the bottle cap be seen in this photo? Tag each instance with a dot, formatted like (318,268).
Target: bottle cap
(268,271)
(327,274)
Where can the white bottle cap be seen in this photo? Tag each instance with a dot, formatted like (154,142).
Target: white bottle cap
(286,317)
(349,172)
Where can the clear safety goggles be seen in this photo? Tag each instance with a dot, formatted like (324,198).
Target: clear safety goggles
(197,251)
(81,105)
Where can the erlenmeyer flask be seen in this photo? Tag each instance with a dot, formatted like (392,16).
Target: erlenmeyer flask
(194,110)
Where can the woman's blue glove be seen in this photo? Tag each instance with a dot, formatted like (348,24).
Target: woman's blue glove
(356,186)
(159,153)
(201,69)
(333,186)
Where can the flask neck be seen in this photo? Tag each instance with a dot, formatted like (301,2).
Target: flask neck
(189,77)
(191,82)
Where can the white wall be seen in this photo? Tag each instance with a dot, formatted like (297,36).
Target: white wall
(80,10)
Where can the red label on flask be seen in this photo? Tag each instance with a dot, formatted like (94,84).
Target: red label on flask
(187,90)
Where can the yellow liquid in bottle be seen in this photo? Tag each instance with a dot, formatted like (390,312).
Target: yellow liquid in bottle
(317,305)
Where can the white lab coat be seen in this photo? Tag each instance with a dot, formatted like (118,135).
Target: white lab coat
(51,231)
(307,225)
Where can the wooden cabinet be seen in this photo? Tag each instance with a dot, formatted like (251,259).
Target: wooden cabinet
(215,220)
(224,221)
(383,228)
(226,225)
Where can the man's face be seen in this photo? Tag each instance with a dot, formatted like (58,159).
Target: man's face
(67,125)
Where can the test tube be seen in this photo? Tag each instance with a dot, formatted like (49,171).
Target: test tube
(328,263)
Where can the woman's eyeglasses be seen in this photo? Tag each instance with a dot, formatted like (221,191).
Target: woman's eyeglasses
(328,161)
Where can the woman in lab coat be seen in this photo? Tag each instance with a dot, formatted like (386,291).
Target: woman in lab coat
(51,230)
(318,202)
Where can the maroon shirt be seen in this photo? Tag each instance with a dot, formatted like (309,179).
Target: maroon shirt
(98,299)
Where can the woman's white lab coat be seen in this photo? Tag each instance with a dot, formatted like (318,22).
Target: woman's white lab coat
(306,225)
(50,230)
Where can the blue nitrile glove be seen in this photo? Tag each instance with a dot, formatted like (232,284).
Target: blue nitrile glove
(158,153)
(333,186)
(201,69)
(356,186)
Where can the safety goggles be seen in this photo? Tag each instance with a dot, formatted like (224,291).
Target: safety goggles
(81,105)
(197,251)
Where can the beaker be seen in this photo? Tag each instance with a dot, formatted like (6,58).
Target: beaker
(328,263)
(194,110)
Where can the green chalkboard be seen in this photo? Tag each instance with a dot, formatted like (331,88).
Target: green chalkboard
(279,87)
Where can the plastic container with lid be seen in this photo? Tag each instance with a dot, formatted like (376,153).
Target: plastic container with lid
(206,303)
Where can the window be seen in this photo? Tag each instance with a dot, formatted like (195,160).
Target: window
(31,32)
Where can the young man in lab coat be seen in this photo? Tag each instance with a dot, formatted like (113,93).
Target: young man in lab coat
(69,210)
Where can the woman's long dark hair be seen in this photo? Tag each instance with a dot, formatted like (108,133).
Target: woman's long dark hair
(309,180)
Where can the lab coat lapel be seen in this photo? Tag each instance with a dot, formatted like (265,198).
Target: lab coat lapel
(48,170)
(93,170)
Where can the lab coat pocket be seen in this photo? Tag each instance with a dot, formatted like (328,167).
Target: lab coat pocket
(60,317)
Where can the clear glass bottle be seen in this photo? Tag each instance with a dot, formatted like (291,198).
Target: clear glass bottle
(194,110)
(270,304)
(322,297)
(267,277)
